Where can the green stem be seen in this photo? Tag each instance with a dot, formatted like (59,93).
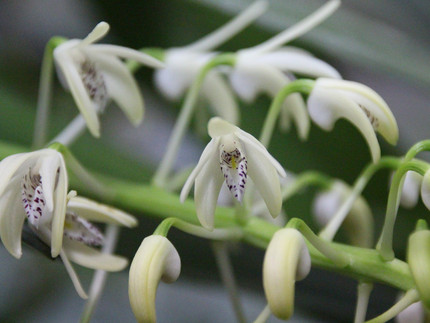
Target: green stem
(225,269)
(363,293)
(44,97)
(410,297)
(385,243)
(364,264)
(303,86)
(423,145)
(336,221)
(184,118)
(338,257)
(217,234)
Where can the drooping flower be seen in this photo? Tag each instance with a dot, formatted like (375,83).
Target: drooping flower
(34,187)
(231,156)
(286,260)
(418,257)
(332,99)
(411,189)
(156,259)
(268,67)
(183,64)
(94,74)
(358,224)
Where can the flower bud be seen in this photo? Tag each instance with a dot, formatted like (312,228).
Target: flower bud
(155,259)
(418,256)
(287,259)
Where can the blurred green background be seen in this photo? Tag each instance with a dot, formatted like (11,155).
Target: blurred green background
(383,44)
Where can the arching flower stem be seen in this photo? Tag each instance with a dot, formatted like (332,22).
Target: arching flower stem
(229,234)
(339,258)
(410,297)
(301,86)
(184,118)
(336,221)
(385,243)
(420,146)
(44,97)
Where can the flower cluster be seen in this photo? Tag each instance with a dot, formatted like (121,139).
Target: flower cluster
(35,188)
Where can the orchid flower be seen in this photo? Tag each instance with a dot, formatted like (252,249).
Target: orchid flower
(268,67)
(34,187)
(287,259)
(94,74)
(332,99)
(156,259)
(411,189)
(183,64)
(359,221)
(231,156)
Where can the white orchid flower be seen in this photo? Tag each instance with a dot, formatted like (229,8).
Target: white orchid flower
(359,222)
(411,189)
(238,154)
(183,64)
(34,186)
(156,259)
(287,259)
(268,67)
(94,74)
(332,99)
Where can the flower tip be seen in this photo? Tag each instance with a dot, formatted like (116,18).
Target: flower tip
(218,127)
(102,28)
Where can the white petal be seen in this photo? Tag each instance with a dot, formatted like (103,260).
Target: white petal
(265,177)
(73,276)
(170,83)
(411,189)
(99,31)
(288,60)
(17,166)
(207,187)
(121,86)
(327,106)
(12,218)
(425,189)
(286,260)
(209,153)
(263,78)
(70,71)
(93,258)
(127,53)
(377,108)
(218,127)
(250,140)
(60,201)
(220,98)
(97,212)
(156,259)
(48,173)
